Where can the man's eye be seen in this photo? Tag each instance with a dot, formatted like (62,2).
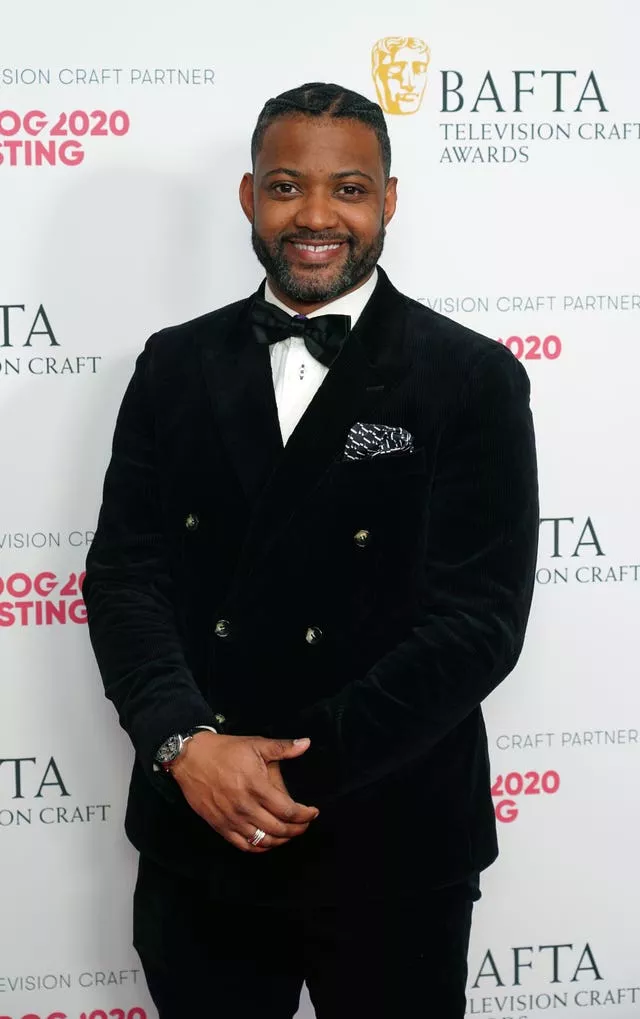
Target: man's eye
(351,189)
(284,187)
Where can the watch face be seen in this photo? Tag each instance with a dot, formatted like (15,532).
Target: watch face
(169,750)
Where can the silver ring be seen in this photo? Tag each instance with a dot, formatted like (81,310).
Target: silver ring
(257,837)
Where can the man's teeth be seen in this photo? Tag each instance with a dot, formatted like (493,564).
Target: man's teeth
(315,247)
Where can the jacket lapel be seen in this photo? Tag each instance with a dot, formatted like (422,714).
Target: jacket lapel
(237,372)
(276,478)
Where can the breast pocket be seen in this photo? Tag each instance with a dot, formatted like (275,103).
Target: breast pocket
(384,491)
(384,467)
(379,512)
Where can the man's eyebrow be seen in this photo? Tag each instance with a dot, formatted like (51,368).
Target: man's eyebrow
(334,176)
(282,169)
(352,173)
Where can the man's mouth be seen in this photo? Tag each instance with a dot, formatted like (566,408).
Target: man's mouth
(316,252)
(315,247)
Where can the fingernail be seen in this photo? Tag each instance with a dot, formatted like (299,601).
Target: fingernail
(303,739)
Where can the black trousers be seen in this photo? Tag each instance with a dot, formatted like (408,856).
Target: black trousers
(205,959)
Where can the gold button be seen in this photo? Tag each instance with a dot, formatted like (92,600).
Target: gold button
(313,635)
(220,719)
(191,522)
(223,628)
(361,538)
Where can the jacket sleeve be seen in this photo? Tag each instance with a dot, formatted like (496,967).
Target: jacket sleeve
(127,591)
(475,591)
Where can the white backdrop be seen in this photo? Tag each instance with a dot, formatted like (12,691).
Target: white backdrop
(118,216)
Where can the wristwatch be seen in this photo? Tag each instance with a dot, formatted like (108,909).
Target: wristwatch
(170,750)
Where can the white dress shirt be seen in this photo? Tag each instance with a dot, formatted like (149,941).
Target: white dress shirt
(296,373)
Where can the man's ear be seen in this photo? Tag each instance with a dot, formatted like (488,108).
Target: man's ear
(246,196)
(390,199)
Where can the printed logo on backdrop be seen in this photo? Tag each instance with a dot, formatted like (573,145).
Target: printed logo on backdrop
(496,115)
(573,551)
(513,786)
(510,789)
(37,797)
(525,342)
(44,598)
(88,981)
(528,979)
(46,136)
(38,138)
(35,791)
(399,70)
(515,790)
(30,346)
(20,541)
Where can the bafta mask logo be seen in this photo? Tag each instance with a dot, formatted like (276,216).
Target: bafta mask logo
(399,68)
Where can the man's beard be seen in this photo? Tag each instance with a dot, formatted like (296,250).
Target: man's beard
(313,288)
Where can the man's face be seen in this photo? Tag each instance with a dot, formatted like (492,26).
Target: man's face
(404,80)
(318,204)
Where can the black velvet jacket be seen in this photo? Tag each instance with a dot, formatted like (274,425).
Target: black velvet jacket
(206,516)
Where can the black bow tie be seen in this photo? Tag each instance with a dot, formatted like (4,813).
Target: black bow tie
(323,336)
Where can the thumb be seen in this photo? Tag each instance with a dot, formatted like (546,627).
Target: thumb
(280,749)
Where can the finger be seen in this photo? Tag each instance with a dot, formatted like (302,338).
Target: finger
(249,831)
(249,808)
(273,795)
(280,804)
(241,843)
(277,781)
(279,749)
(274,826)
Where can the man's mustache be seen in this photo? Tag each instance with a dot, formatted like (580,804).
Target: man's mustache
(316,238)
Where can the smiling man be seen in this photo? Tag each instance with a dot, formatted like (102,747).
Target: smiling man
(314,560)
(313,252)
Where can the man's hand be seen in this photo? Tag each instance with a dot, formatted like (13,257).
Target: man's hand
(234,784)
(275,776)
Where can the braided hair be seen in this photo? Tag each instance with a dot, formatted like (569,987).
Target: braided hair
(319,99)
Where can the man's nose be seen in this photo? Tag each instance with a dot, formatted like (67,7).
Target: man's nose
(317,212)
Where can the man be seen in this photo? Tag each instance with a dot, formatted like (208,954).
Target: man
(313,561)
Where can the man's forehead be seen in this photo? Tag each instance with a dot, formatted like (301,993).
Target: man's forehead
(322,140)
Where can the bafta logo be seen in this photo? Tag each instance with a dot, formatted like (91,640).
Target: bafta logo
(399,68)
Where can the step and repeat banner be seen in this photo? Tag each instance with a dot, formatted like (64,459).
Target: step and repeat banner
(124,131)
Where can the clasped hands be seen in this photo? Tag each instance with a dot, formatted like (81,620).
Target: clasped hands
(234,783)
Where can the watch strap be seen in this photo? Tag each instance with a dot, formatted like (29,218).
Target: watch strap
(165,766)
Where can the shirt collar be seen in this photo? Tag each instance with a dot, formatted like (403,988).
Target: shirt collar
(348,304)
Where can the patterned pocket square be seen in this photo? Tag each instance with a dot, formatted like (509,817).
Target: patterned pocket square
(368,440)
